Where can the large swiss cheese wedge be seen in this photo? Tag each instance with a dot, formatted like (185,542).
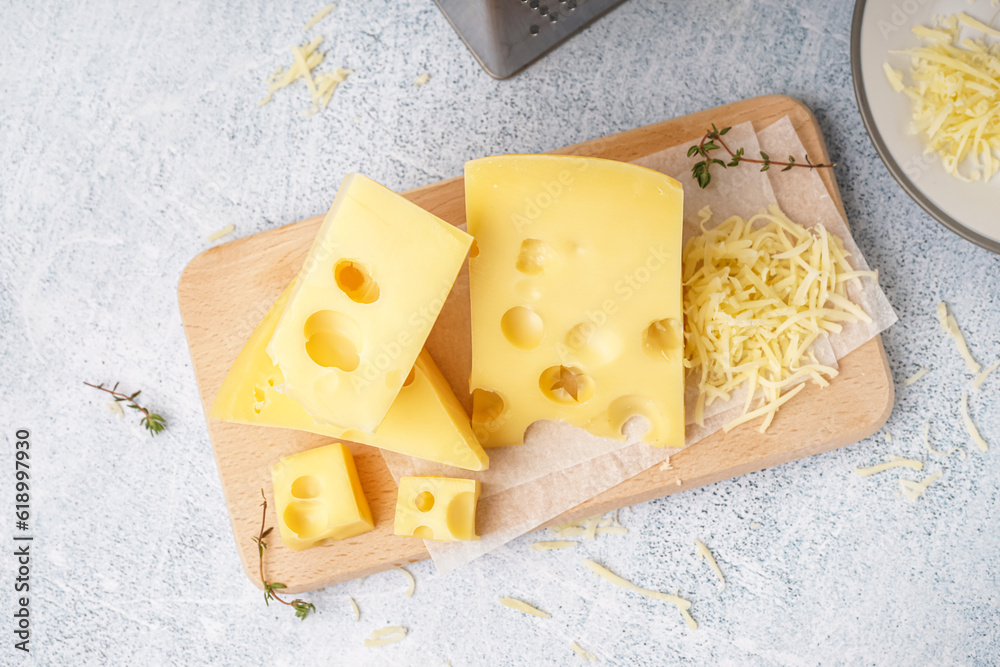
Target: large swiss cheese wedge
(576,297)
(360,310)
(426,420)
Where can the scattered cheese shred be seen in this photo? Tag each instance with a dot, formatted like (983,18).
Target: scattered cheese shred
(306,59)
(706,553)
(524,607)
(894,76)
(551,546)
(927,444)
(219,233)
(913,490)
(411,583)
(950,326)
(755,526)
(892,462)
(679,602)
(988,371)
(422,79)
(757,294)
(888,437)
(916,376)
(356,609)
(319,16)
(590,527)
(956,83)
(583,653)
(116,408)
(970,425)
(385,636)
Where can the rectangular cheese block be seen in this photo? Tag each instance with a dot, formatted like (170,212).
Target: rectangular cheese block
(437,508)
(318,497)
(425,420)
(576,297)
(360,310)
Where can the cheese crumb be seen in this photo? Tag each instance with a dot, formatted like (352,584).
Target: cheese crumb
(679,602)
(916,376)
(888,437)
(892,462)
(551,546)
(219,233)
(356,609)
(385,636)
(319,16)
(305,60)
(950,326)
(524,607)
(755,526)
(411,582)
(970,425)
(422,79)
(706,553)
(913,490)
(116,408)
(584,654)
(988,371)
(757,294)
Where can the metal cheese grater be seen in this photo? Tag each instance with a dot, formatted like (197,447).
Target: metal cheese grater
(507,35)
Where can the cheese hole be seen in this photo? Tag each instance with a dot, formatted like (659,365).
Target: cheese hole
(424,501)
(333,340)
(593,344)
(423,532)
(474,250)
(533,257)
(305,518)
(258,394)
(663,339)
(522,327)
(306,487)
(566,385)
(461,516)
(356,281)
(624,408)
(487,406)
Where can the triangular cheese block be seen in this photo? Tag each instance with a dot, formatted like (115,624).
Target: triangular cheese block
(425,421)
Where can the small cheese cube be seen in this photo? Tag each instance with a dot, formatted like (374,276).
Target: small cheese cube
(318,497)
(576,297)
(437,508)
(360,310)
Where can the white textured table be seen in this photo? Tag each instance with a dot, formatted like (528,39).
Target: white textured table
(130,131)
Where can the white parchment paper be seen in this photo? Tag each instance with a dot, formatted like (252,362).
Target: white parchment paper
(560,466)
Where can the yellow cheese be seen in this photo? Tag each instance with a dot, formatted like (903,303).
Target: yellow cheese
(318,497)
(426,420)
(524,607)
(437,508)
(576,299)
(372,286)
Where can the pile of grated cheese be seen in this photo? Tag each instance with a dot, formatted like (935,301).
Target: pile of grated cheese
(757,294)
(955,94)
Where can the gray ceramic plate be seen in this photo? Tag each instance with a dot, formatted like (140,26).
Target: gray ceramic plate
(971,210)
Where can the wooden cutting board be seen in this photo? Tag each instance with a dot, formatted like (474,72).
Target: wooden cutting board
(225,291)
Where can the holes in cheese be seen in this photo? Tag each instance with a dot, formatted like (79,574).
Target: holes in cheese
(566,385)
(424,501)
(305,518)
(522,328)
(306,487)
(487,407)
(663,339)
(355,279)
(333,340)
(592,247)
(533,256)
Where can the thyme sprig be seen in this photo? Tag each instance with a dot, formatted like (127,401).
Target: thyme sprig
(301,607)
(151,421)
(713,141)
